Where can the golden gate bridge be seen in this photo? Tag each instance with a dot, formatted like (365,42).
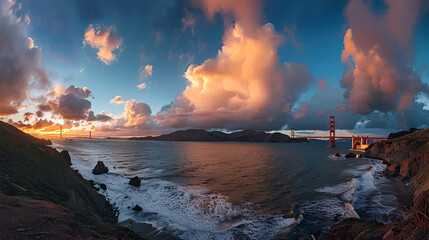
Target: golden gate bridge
(358,142)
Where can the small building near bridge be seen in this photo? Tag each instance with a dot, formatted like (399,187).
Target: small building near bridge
(360,143)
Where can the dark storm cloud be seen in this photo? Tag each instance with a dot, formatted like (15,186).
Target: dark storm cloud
(19,62)
(98,117)
(70,107)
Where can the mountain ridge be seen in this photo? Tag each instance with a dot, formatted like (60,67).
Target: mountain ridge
(201,135)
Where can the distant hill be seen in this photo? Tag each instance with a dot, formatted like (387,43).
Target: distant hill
(201,135)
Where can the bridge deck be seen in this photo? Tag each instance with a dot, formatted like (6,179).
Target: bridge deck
(341,137)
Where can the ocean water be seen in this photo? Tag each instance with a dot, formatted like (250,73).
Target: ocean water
(198,190)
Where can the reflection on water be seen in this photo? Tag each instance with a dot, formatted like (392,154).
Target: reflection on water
(276,179)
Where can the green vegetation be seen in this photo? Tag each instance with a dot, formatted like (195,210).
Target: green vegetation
(401,133)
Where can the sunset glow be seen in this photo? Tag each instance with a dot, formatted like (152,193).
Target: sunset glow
(212,64)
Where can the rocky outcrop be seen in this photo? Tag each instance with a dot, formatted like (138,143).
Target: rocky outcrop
(407,158)
(137,208)
(350,155)
(135,181)
(100,168)
(64,154)
(50,194)
(353,228)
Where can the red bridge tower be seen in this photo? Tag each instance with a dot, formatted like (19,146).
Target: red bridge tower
(331,131)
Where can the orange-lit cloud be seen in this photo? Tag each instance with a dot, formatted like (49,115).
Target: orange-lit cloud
(117,100)
(142,86)
(378,52)
(104,40)
(147,71)
(245,85)
(137,114)
(42,123)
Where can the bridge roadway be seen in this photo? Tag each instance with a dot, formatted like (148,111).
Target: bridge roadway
(342,137)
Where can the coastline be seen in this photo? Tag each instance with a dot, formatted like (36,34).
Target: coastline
(407,159)
(95,215)
(42,197)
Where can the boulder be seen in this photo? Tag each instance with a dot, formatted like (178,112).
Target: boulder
(64,154)
(350,155)
(337,155)
(100,168)
(137,208)
(103,186)
(135,181)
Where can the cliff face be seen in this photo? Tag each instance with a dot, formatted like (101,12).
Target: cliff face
(407,158)
(49,191)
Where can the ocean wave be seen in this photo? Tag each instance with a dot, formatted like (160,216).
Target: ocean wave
(360,197)
(187,212)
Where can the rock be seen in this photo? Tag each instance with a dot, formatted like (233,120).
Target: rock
(337,155)
(135,181)
(100,168)
(103,186)
(91,182)
(137,208)
(350,155)
(337,217)
(64,154)
(360,155)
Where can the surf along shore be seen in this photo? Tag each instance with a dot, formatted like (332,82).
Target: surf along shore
(41,197)
(407,159)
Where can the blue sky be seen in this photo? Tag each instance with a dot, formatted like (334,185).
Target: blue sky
(153,33)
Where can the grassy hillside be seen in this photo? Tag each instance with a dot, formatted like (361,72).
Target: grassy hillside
(34,171)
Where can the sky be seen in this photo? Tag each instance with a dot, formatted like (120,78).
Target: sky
(140,68)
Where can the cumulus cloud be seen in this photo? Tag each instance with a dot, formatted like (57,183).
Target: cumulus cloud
(147,71)
(27,116)
(329,100)
(20,124)
(378,51)
(117,100)
(39,113)
(245,86)
(78,92)
(98,117)
(70,107)
(19,62)
(103,39)
(70,104)
(138,114)
(247,12)
(42,123)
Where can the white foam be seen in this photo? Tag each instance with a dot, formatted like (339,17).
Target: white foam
(346,190)
(188,212)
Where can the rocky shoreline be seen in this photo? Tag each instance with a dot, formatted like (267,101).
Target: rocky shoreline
(41,197)
(407,159)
